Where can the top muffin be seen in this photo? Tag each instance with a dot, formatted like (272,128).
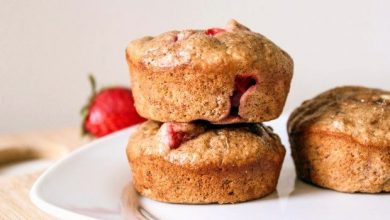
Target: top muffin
(225,75)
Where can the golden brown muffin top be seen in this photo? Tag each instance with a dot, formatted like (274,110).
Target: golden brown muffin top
(233,44)
(216,145)
(359,112)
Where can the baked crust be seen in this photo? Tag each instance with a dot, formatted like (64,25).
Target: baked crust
(341,139)
(188,75)
(225,164)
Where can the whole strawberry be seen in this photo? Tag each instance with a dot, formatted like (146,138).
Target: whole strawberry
(109,110)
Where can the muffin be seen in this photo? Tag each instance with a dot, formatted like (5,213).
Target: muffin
(341,140)
(204,163)
(225,75)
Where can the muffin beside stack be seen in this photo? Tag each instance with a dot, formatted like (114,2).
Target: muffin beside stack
(206,93)
(340,139)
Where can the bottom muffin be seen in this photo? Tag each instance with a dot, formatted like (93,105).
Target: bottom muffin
(203,163)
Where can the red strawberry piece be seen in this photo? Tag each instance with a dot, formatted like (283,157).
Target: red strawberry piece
(109,110)
(242,83)
(214,31)
(174,134)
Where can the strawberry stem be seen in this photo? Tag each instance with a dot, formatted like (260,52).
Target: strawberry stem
(92,81)
(85,109)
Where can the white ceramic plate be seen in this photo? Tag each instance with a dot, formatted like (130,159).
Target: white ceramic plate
(89,182)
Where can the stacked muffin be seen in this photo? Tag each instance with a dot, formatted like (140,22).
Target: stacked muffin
(206,93)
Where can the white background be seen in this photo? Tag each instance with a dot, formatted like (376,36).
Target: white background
(47,47)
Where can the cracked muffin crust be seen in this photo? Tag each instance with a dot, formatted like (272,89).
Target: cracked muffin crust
(341,139)
(206,163)
(225,75)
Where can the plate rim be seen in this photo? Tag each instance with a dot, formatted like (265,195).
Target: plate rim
(35,192)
